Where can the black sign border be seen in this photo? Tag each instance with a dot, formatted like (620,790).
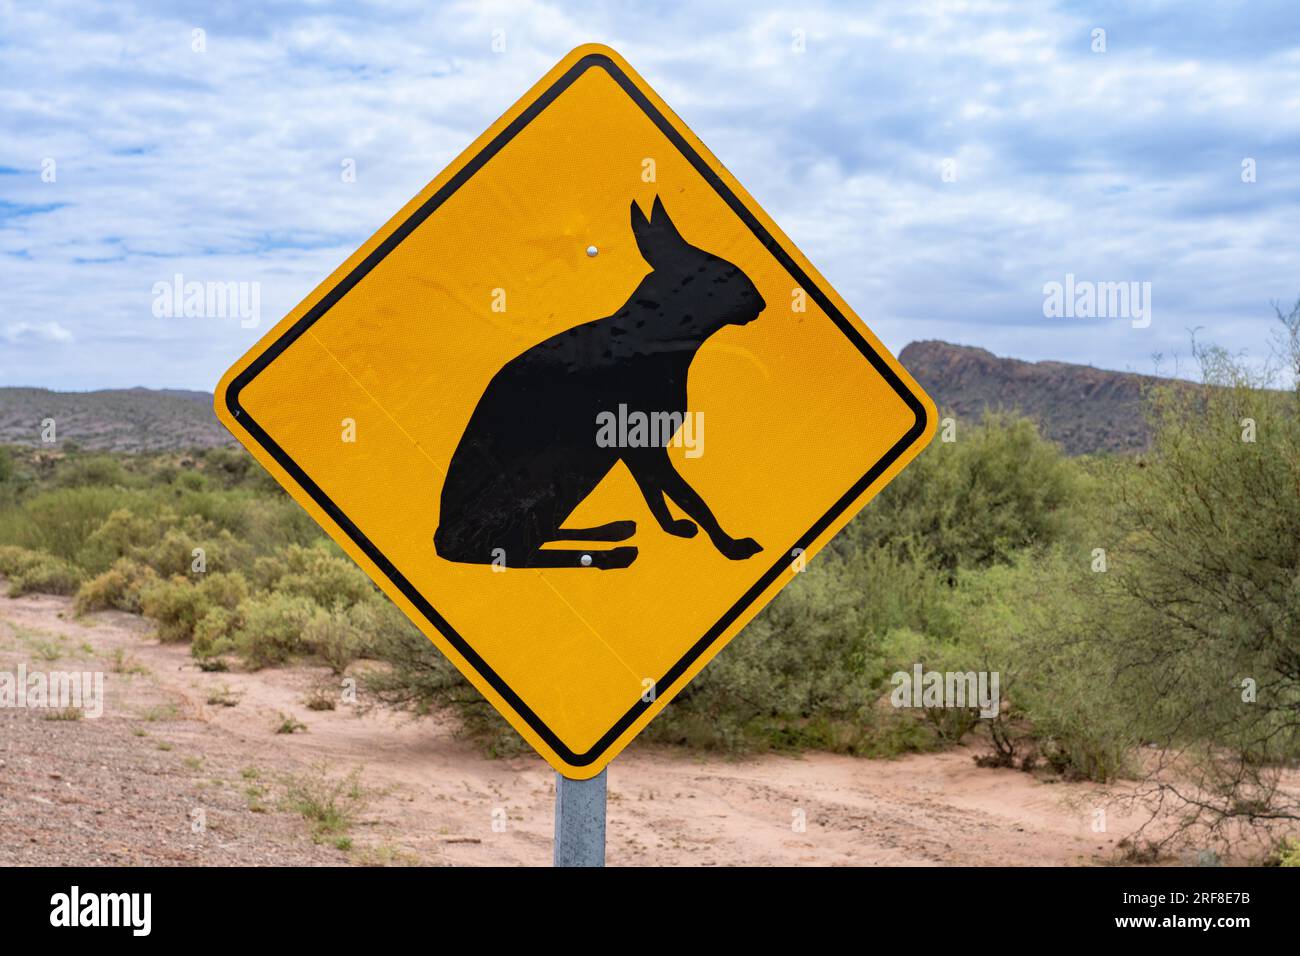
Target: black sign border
(802,280)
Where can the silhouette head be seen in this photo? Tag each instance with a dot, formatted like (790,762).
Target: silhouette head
(697,291)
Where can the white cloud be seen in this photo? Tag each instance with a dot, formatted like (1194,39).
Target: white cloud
(225,165)
(17,333)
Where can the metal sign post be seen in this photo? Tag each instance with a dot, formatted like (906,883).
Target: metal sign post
(580,821)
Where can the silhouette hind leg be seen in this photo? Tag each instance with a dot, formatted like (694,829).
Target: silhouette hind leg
(521,546)
(604,560)
(613,531)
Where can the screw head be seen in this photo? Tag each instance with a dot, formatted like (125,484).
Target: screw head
(592,250)
(586,560)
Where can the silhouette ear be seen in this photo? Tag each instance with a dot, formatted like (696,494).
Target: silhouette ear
(656,237)
(643,232)
(662,224)
(640,225)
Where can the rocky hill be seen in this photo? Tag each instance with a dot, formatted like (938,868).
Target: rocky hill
(130,419)
(1082,408)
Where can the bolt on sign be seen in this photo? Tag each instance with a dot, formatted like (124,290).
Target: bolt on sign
(580,409)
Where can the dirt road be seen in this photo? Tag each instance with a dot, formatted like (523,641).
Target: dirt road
(187,767)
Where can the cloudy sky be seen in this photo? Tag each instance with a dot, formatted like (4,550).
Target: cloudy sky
(939,162)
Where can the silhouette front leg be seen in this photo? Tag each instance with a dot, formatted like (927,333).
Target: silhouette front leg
(659,471)
(654,499)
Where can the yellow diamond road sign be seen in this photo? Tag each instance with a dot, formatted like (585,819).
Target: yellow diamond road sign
(580,408)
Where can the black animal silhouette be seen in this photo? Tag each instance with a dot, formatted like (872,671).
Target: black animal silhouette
(529,455)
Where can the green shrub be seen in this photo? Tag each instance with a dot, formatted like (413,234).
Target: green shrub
(14,559)
(177,603)
(44,575)
(59,522)
(380,620)
(334,637)
(1035,622)
(214,633)
(228,466)
(224,589)
(904,649)
(418,677)
(120,587)
(190,481)
(271,628)
(264,521)
(1288,853)
(326,579)
(79,471)
(123,533)
(1201,607)
(897,588)
(802,674)
(998,489)
(174,551)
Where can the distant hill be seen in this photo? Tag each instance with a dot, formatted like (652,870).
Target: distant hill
(129,419)
(1082,408)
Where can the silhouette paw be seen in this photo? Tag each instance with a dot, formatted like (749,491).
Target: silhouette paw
(617,531)
(737,549)
(614,558)
(682,527)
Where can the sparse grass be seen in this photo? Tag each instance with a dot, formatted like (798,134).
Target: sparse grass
(164,745)
(385,854)
(343,843)
(119,662)
(45,645)
(320,698)
(223,696)
(193,763)
(47,651)
(330,805)
(288,724)
(254,792)
(255,795)
(66,713)
(214,665)
(160,712)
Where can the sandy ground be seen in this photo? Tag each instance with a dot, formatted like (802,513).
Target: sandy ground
(186,767)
